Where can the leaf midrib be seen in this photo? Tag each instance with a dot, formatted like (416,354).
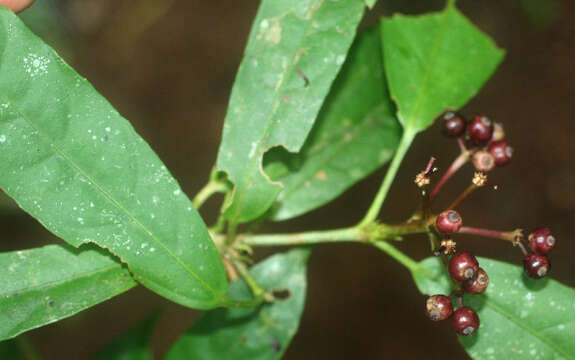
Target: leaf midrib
(273,108)
(438,40)
(55,283)
(108,196)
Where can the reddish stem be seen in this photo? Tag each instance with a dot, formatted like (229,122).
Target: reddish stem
(456,165)
(522,247)
(510,236)
(461,144)
(429,166)
(462,196)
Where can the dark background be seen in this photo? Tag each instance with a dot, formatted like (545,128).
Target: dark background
(168,66)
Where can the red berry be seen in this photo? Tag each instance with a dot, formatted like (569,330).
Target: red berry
(536,266)
(483,161)
(477,284)
(465,321)
(463,266)
(501,152)
(541,241)
(480,129)
(438,307)
(448,222)
(453,124)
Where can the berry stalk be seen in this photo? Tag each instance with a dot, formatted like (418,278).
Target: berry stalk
(455,166)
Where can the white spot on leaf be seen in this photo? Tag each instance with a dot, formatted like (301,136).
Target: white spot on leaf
(36,65)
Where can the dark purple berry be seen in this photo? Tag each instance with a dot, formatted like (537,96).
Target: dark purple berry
(438,307)
(448,222)
(478,283)
(483,161)
(501,152)
(541,241)
(465,321)
(498,132)
(536,266)
(453,124)
(480,129)
(463,266)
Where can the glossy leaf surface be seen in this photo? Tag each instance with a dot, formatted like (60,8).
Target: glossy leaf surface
(355,133)
(254,334)
(435,62)
(44,285)
(72,162)
(521,318)
(294,52)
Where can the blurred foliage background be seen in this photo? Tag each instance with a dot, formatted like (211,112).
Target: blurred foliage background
(168,66)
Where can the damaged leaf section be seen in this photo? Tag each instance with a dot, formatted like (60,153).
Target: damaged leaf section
(355,133)
(294,52)
(44,285)
(256,334)
(72,162)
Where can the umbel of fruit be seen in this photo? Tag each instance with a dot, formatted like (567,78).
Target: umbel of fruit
(483,161)
(536,266)
(501,152)
(453,124)
(541,241)
(438,307)
(477,284)
(463,266)
(480,129)
(465,321)
(448,221)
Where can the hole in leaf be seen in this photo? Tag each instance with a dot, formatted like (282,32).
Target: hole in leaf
(281,294)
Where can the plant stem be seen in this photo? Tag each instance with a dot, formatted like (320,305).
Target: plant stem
(365,234)
(377,203)
(456,165)
(231,235)
(461,144)
(245,304)
(208,190)
(429,167)
(305,238)
(256,289)
(399,256)
(471,188)
(510,236)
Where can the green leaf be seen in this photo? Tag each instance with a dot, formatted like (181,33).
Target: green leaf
(295,50)
(355,133)
(433,63)
(254,334)
(520,317)
(41,286)
(135,344)
(72,162)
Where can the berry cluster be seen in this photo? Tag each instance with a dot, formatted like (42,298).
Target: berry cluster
(484,136)
(536,264)
(482,143)
(468,277)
